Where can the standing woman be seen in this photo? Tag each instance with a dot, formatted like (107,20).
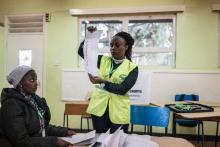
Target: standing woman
(25,117)
(110,104)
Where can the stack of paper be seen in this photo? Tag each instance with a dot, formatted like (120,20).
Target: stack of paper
(121,139)
(117,139)
(81,138)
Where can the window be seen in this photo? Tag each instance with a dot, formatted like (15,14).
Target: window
(25,57)
(154,36)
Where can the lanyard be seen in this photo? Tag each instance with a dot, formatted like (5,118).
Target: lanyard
(42,122)
(40,116)
(112,69)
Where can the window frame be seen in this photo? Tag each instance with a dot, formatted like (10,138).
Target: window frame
(125,20)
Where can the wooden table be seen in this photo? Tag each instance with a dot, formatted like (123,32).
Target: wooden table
(171,141)
(204,116)
(74,108)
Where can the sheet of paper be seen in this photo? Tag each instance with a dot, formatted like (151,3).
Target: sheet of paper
(113,140)
(80,138)
(99,141)
(90,51)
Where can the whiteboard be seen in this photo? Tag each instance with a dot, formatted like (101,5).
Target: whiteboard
(165,86)
(140,92)
(75,86)
(158,86)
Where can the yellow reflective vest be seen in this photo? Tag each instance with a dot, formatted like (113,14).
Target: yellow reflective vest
(119,105)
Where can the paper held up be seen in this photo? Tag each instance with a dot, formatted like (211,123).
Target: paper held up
(90,51)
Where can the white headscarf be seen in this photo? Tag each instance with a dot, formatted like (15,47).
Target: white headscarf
(17,74)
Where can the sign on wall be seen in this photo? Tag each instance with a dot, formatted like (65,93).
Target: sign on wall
(140,92)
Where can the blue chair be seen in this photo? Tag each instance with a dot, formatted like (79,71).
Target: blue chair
(187,122)
(150,116)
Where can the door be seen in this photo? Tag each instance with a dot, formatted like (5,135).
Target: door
(26,49)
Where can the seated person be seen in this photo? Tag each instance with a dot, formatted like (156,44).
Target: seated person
(25,117)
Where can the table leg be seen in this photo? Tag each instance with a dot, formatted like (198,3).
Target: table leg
(174,124)
(63,120)
(216,136)
(67,123)
(203,137)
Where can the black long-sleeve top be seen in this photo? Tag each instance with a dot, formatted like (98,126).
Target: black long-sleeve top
(122,88)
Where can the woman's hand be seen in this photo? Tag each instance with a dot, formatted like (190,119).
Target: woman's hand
(62,143)
(70,133)
(91,29)
(95,79)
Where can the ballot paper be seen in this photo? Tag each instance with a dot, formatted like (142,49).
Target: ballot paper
(121,139)
(81,138)
(90,51)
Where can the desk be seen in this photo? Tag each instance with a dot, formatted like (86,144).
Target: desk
(204,116)
(171,141)
(168,142)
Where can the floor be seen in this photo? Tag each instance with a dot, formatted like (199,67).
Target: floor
(206,144)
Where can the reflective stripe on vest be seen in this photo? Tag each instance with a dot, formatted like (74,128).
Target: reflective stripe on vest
(119,105)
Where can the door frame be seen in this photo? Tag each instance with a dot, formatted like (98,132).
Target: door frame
(43,52)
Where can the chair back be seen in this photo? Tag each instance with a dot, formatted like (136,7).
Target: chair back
(186,97)
(150,116)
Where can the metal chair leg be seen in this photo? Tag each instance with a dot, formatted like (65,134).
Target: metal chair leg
(132,128)
(166,129)
(88,124)
(150,130)
(203,137)
(198,135)
(216,135)
(81,123)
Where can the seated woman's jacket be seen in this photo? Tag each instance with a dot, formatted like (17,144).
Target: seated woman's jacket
(19,122)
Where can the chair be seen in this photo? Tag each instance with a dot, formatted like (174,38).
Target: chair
(186,122)
(150,116)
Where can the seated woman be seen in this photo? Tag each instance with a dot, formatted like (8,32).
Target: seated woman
(25,117)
